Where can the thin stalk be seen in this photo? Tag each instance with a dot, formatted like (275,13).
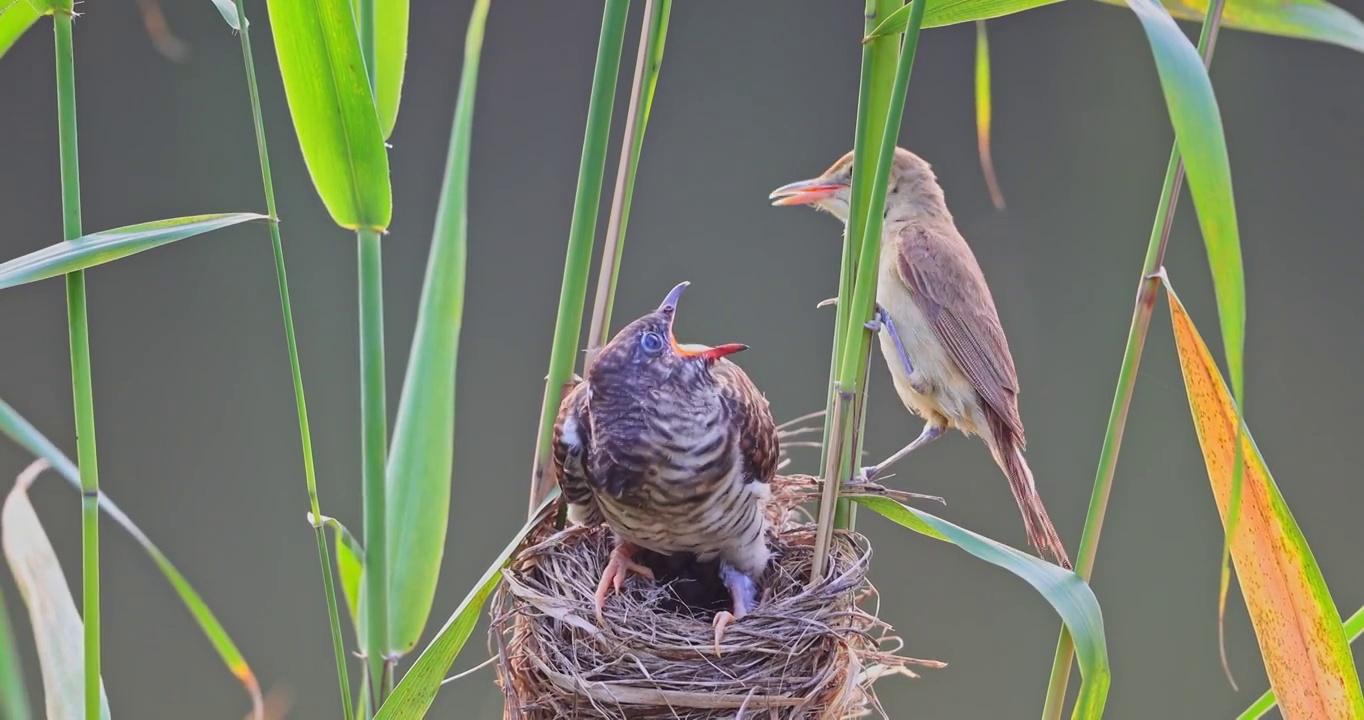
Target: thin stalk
(374,442)
(374,418)
(857,347)
(856,350)
(873,100)
(78,328)
(267,181)
(1127,379)
(568,324)
(651,37)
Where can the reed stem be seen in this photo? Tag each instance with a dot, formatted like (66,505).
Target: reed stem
(78,328)
(1147,286)
(295,368)
(374,442)
(577,264)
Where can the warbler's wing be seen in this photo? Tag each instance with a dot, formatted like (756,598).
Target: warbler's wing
(947,285)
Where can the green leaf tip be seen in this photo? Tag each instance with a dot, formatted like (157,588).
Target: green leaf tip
(333,110)
(106,246)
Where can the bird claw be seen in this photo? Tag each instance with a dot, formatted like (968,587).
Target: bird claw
(826,303)
(865,475)
(721,622)
(613,575)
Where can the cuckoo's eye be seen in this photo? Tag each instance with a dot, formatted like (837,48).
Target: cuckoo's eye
(651,342)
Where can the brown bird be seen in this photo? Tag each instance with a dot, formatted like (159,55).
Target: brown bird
(673,447)
(944,343)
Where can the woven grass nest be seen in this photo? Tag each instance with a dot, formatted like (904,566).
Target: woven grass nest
(803,652)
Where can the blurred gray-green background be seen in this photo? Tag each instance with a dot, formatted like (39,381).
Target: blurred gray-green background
(197,434)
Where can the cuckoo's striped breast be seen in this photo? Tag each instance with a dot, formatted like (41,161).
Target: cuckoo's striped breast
(691,496)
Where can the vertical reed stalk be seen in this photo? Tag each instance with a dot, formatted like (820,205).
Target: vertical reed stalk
(568,323)
(652,34)
(1147,286)
(295,368)
(374,429)
(78,327)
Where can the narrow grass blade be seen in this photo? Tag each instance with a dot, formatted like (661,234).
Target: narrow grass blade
(568,322)
(951,12)
(228,9)
(333,109)
(350,565)
(414,695)
(1354,627)
(57,628)
(109,245)
(16,17)
(1302,641)
(390,58)
(983,114)
(1147,289)
(1314,20)
(1203,147)
(26,436)
(1069,595)
(295,364)
(648,62)
(13,695)
(419,468)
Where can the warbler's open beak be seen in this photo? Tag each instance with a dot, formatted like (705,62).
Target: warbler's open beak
(804,192)
(669,305)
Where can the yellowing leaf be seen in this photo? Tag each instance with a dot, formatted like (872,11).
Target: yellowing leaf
(57,628)
(1302,641)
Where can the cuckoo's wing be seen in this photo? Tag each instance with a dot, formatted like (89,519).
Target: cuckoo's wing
(758,443)
(571,444)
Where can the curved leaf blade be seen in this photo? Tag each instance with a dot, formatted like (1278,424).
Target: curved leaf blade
(350,566)
(414,695)
(952,12)
(26,436)
(422,454)
(390,58)
(16,18)
(983,115)
(1069,595)
(1198,132)
(1297,625)
(102,247)
(333,109)
(1354,627)
(57,628)
(13,695)
(1313,20)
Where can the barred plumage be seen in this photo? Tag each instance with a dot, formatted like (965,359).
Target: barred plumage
(673,447)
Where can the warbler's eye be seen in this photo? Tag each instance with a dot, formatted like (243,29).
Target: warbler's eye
(651,342)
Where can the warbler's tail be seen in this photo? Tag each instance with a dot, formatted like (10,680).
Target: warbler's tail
(1007,449)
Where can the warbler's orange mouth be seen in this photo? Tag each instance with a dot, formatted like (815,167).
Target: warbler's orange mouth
(804,192)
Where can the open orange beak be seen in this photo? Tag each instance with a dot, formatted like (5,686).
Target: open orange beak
(708,352)
(804,192)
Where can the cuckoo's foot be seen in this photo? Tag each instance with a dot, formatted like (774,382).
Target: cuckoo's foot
(743,593)
(621,564)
